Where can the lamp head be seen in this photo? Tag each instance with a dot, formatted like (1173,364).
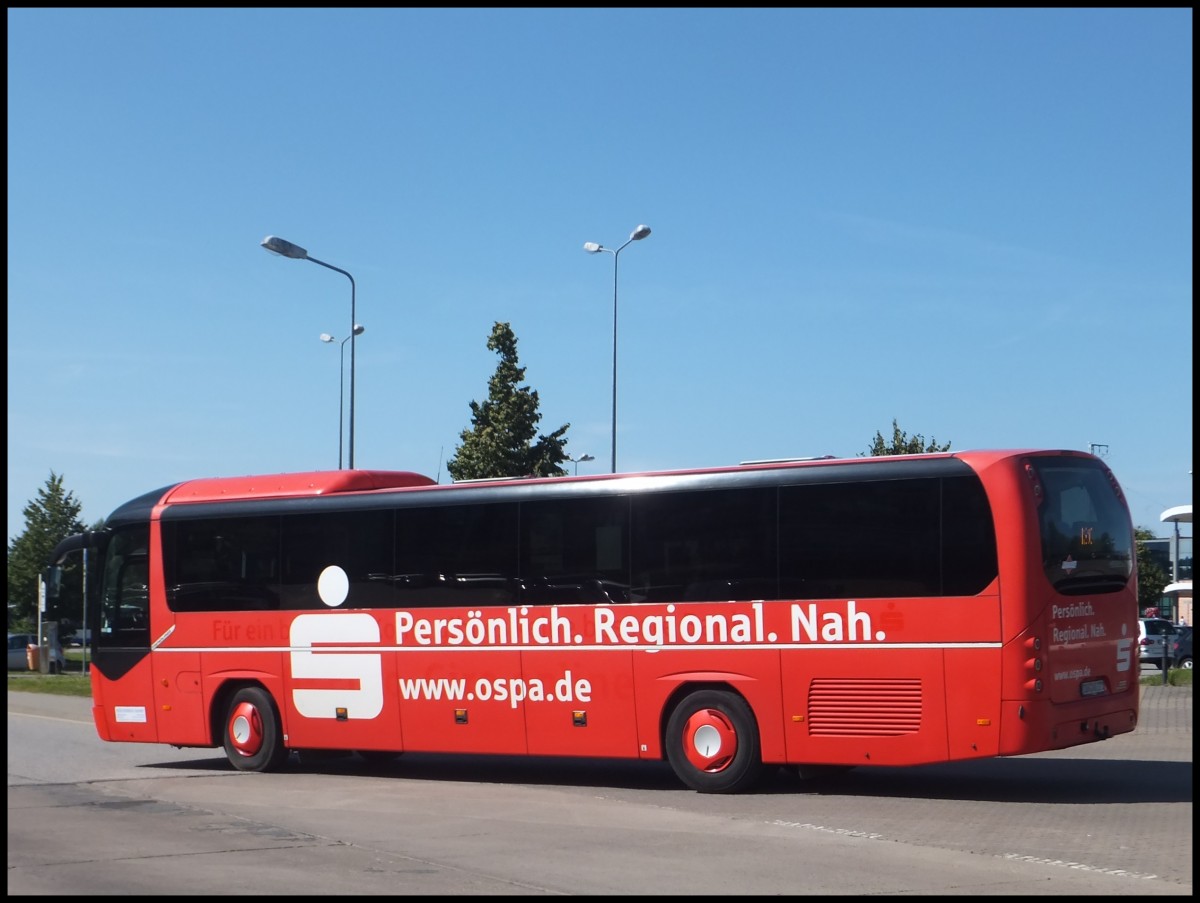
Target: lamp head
(592,248)
(277,245)
(639,233)
(359,329)
(583,458)
(326,337)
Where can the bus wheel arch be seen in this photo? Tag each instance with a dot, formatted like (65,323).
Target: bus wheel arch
(251,729)
(712,741)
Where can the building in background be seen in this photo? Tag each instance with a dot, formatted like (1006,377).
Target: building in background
(1177,595)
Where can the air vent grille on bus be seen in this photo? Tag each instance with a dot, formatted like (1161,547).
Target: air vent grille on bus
(864,707)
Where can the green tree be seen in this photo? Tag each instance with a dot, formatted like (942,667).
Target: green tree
(500,442)
(1151,579)
(49,519)
(902,444)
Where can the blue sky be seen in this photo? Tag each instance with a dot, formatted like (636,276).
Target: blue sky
(975,222)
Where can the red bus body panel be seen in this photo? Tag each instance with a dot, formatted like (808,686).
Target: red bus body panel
(865,681)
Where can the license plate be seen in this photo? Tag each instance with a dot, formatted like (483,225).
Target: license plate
(1092,688)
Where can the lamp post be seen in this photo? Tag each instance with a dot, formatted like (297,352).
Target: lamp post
(580,460)
(279,246)
(326,337)
(593,248)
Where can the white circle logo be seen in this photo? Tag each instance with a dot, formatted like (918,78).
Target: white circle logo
(333,586)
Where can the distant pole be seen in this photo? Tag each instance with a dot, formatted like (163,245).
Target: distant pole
(326,337)
(580,460)
(593,248)
(41,608)
(86,638)
(285,248)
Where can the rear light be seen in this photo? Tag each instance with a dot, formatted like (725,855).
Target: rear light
(1039,495)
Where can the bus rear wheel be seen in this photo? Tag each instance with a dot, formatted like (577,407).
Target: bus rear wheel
(712,742)
(253,734)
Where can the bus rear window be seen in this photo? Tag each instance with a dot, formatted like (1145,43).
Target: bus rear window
(1087,539)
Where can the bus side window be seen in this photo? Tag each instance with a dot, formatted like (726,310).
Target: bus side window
(573,551)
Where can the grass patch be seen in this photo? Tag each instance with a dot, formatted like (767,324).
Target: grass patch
(1176,677)
(55,684)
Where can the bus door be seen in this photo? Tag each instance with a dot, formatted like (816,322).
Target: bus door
(123,702)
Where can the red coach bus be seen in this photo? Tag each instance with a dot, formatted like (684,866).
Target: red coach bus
(892,610)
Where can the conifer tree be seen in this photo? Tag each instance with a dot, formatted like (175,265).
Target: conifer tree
(49,519)
(501,441)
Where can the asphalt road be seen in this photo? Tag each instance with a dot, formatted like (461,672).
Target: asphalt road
(88,817)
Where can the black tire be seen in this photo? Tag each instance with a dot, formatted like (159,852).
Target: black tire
(252,732)
(712,743)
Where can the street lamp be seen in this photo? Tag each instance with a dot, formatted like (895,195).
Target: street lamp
(593,248)
(279,246)
(326,337)
(580,460)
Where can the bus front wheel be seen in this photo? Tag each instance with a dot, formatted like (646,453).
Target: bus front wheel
(253,732)
(712,742)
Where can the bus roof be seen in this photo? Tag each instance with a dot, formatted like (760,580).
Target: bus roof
(286,488)
(290,485)
(313,484)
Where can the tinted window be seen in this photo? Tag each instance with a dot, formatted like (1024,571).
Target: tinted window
(888,538)
(927,537)
(704,546)
(968,538)
(456,555)
(1087,538)
(575,551)
(358,542)
(229,564)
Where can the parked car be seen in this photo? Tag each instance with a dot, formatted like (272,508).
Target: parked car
(1181,649)
(18,659)
(1154,641)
